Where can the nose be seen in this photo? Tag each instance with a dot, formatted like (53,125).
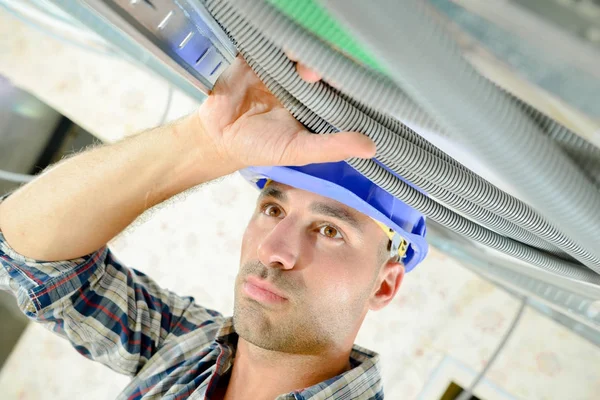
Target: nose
(280,248)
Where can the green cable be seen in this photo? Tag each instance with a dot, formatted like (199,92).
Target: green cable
(313,17)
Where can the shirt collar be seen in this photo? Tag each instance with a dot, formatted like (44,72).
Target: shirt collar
(363,381)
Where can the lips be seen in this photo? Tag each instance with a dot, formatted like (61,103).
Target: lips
(262,291)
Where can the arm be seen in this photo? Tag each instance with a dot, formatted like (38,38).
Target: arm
(77,206)
(53,231)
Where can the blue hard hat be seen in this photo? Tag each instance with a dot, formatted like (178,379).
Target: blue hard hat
(340,182)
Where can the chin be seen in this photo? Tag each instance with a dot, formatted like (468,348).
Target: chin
(251,324)
(256,328)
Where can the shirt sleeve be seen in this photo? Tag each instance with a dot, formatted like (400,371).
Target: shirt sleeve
(110,313)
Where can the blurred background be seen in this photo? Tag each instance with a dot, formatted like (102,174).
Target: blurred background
(63,88)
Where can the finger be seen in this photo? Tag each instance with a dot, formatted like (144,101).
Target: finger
(334,85)
(309,75)
(309,148)
(290,55)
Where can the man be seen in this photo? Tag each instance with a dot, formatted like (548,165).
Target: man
(311,267)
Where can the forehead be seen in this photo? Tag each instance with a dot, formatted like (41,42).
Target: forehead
(285,192)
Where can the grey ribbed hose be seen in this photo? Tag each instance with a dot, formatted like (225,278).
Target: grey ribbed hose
(325,103)
(459,224)
(473,211)
(512,143)
(378,91)
(417,200)
(463,226)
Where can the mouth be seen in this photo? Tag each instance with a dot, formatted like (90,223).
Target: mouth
(262,291)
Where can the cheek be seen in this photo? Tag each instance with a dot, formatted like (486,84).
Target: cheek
(338,278)
(345,276)
(250,241)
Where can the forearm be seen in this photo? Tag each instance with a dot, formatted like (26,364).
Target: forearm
(78,205)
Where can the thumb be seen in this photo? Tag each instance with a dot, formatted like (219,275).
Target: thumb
(312,148)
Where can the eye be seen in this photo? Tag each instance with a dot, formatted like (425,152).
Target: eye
(330,232)
(272,210)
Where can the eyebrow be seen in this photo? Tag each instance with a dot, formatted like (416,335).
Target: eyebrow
(317,208)
(337,213)
(273,192)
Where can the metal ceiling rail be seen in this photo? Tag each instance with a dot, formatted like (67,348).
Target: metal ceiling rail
(177,39)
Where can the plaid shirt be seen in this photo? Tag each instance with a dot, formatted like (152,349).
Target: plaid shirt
(171,346)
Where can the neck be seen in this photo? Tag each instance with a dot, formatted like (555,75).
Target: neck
(264,374)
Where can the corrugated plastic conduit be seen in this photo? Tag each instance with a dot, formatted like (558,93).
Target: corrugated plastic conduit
(460,99)
(421,202)
(380,92)
(323,110)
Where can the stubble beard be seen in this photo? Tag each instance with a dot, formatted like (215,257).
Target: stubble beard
(292,330)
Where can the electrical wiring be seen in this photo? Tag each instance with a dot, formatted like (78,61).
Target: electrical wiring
(403,153)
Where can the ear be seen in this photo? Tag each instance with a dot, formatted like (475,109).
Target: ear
(389,279)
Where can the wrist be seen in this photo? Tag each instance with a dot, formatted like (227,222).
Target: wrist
(209,157)
(193,157)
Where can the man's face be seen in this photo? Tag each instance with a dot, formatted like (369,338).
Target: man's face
(310,270)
